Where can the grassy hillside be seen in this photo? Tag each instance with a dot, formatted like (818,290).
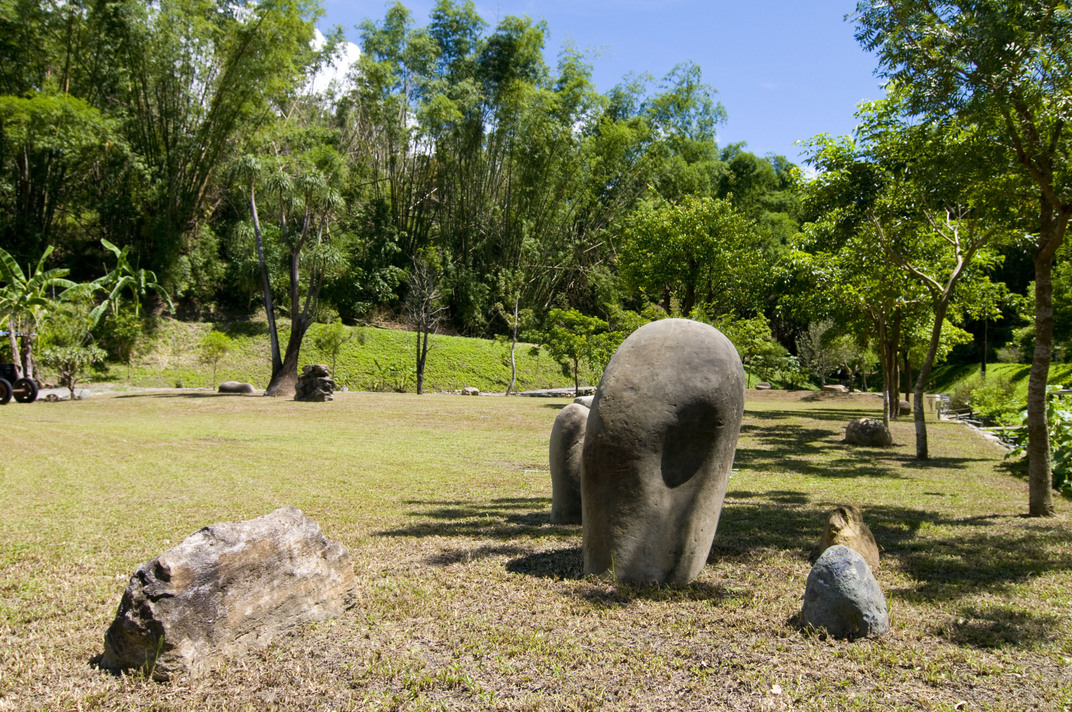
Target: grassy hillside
(374,359)
(947,378)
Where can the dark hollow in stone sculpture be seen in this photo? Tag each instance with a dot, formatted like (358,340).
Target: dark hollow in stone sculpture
(315,384)
(658,449)
(224,589)
(567,443)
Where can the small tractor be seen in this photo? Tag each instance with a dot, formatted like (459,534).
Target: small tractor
(23,389)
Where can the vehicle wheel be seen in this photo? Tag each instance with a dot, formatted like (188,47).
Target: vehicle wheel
(24,390)
(5,392)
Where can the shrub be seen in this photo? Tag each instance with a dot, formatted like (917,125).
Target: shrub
(1059,419)
(995,399)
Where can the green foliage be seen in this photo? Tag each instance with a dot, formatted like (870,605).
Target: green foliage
(574,340)
(118,335)
(68,350)
(330,339)
(1059,420)
(213,348)
(760,353)
(698,252)
(994,398)
(123,278)
(71,363)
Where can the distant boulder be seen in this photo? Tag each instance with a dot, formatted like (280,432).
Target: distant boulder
(870,432)
(236,387)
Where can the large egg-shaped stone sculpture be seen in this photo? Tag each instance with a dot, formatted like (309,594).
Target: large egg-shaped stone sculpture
(658,449)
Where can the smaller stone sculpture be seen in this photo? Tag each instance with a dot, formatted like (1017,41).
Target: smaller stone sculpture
(224,589)
(236,387)
(845,526)
(567,444)
(835,388)
(315,384)
(870,432)
(843,597)
(586,401)
(470,391)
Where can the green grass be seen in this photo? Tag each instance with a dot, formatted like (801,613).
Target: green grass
(375,359)
(467,596)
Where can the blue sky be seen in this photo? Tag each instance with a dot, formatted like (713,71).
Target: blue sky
(785,70)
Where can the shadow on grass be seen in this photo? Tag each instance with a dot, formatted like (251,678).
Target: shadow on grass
(561,564)
(623,595)
(502,519)
(997,627)
(186,394)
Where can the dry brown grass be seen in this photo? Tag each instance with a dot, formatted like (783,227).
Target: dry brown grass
(468,598)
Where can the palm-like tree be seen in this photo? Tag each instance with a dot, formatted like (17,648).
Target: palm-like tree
(23,297)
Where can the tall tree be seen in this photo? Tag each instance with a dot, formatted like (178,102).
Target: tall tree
(1005,69)
(296,174)
(193,76)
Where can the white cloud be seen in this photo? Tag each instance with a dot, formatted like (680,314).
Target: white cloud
(333,76)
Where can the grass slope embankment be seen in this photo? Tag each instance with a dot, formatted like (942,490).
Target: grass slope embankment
(947,378)
(374,359)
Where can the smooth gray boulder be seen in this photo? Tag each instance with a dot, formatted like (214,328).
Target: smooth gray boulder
(870,432)
(843,597)
(658,449)
(224,589)
(586,401)
(566,447)
(236,387)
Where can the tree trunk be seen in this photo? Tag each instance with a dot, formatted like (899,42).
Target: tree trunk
(1040,478)
(285,378)
(513,349)
(918,414)
(16,359)
(266,288)
(422,357)
(907,377)
(577,377)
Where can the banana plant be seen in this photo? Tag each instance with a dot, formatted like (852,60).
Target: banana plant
(23,298)
(125,277)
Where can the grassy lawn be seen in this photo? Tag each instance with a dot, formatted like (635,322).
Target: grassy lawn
(467,596)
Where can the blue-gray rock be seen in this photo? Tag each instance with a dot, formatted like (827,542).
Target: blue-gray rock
(658,449)
(843,597)
(567,441)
